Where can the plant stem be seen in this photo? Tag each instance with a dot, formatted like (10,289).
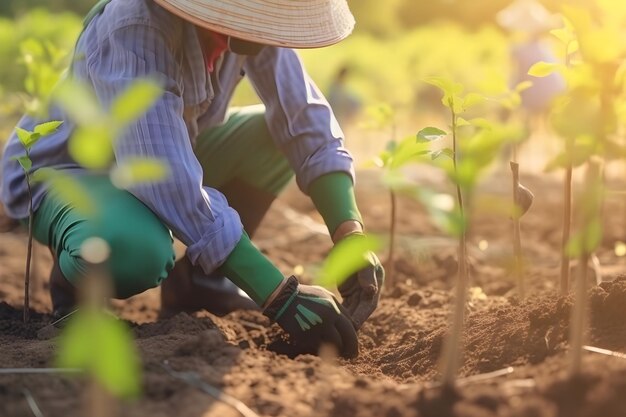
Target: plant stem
(29,252)
(452,350)
(578,316)
(590,209)
(567,222)
(392,237)
(517,239)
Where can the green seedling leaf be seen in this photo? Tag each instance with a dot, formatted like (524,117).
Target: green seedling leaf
(442,152)
(461,122)
(91,147)
(102,346)
(24,162)
(472,100)
(80,103)
(429,134)
(45,129)
(565,35)
(524,85)
(135,101)
(449,87)
(66,188)
(24,136)
(347,257)
(543,69)
(133,172)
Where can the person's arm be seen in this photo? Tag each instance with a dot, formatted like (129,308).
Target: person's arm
(199,216)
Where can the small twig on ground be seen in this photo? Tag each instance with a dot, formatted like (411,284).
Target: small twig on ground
(194,379)
(32,403)
(14,371)
(605,352)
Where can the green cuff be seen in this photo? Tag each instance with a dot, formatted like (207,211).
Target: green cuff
(333,196)
(251,271)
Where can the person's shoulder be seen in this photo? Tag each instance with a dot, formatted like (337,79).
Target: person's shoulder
(124,13)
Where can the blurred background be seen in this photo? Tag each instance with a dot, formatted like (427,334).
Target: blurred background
(374,79)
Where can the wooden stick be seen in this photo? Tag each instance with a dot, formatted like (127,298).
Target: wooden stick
(517,239)
(605,352)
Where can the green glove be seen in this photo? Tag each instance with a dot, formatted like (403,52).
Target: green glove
(313,317)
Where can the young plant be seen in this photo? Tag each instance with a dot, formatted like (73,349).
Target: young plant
(522,196)
(475,144)
(93,340)
(28,140)
(43,72)
(382,117)
(588,118)
(582,245)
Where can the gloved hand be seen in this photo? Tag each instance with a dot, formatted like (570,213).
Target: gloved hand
(312,317)
(361,290)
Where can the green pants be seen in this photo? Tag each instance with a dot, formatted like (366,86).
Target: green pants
(141,246)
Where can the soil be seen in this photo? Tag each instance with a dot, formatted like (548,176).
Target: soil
(396,373)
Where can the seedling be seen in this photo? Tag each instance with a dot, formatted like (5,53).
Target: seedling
(28,140)
(43,72)
(588,119)
(475,144)
(93,340)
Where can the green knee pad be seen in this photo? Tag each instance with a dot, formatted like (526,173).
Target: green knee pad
(141,246)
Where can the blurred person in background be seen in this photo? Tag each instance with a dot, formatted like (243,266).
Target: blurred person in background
(527,23)
(344,102)
(227,165)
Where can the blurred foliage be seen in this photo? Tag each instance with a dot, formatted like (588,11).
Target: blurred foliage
(59,30)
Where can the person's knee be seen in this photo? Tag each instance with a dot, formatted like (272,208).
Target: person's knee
(140,261)
(137,262)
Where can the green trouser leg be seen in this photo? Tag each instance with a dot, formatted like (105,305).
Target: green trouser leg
(141,246)
(238,157)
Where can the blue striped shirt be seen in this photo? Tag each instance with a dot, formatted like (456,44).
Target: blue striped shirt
(138,38)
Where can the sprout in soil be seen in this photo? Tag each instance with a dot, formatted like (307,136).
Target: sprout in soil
(475,144)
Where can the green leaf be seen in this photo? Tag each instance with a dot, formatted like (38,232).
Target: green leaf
(136,171)
(472,100)
(449,87)
(91,147)
(429,134)
(524,85)
(103,347)
(135,101)
(565,35)
(79,101)
(462,122)
(67,189)
(24,162)
(347,257)
(543,69)
(24,136)
(45,129)
(445,152)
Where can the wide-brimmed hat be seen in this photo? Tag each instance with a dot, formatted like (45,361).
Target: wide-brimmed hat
(286,23)
(528,16)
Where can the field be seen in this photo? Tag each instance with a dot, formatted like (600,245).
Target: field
(435,107)
(400,345)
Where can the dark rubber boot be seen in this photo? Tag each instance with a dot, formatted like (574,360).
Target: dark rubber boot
(63,294)
(188,289)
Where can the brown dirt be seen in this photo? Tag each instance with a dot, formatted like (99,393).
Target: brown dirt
(395,374)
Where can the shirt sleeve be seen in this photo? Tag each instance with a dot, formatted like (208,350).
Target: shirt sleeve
(199,216)
(299,118)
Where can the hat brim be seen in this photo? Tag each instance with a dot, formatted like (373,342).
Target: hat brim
(283,23)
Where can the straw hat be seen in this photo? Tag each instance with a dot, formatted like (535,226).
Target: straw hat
(286,23)
(527,16)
